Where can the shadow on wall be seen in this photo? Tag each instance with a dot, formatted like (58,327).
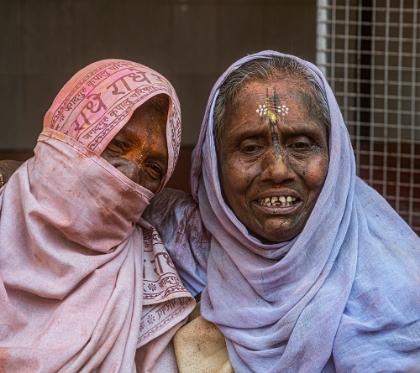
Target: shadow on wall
(191,42)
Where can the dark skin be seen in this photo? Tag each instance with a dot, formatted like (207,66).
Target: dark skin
(253,170)
(138,150)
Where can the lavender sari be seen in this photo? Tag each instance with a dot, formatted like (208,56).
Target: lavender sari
(343,296)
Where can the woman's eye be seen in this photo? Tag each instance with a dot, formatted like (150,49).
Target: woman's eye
(116,146)
(250,148)
(300,144)
(155,171)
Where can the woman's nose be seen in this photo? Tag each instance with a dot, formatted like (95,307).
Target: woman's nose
(276,168)
(131,170)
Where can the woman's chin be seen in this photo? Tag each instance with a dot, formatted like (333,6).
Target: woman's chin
(272,232)
(277,224)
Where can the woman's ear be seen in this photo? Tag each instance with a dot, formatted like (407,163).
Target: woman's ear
(7,168)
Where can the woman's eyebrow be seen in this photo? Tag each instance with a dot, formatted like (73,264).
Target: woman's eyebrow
(127,131)
(247,133)
(127,134)
(160,158)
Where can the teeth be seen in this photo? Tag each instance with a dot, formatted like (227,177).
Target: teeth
(281,201)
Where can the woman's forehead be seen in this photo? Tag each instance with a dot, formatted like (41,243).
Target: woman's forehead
(291,88)
(292,104)
(277,96)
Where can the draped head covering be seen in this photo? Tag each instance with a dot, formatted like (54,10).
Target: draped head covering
(85,281)
(99,100)
(343,295)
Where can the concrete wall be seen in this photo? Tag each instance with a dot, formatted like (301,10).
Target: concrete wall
(44,42)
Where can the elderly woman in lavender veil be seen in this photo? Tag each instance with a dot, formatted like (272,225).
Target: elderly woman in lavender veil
(300,264)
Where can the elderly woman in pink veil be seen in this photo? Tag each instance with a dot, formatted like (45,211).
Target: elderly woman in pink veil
(86,284)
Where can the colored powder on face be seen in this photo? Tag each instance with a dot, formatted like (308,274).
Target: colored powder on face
(272,121)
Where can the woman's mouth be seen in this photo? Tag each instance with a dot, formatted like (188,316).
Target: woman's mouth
(282,201)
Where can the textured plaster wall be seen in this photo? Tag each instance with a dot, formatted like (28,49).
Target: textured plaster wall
(43,42)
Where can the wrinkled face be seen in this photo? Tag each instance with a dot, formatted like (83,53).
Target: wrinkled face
(139,150)
(272,189)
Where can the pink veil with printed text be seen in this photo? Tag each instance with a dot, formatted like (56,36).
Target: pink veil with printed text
(84,280)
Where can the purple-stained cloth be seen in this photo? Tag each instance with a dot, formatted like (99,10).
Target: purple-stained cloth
(342,296)
(85,281)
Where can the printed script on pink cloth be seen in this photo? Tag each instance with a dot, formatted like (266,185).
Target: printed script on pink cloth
(84,280)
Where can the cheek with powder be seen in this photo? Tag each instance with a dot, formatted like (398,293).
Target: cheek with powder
(248,176)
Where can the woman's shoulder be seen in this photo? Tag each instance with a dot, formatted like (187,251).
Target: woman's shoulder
(170,202)
(175,214)
(176,217)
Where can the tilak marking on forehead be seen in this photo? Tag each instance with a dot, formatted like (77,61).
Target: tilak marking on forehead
(272,108)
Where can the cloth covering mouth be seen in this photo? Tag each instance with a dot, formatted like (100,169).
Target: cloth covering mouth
(84,280)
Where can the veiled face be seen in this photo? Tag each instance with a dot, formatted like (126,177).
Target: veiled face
(139,150)
(273,189)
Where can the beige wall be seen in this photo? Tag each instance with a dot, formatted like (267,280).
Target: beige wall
(191,42)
